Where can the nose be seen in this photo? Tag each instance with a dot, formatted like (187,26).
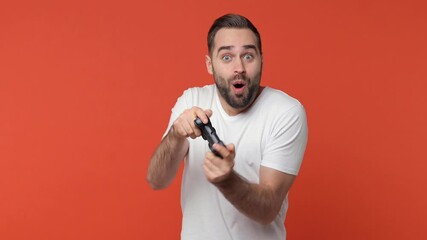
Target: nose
(239,66)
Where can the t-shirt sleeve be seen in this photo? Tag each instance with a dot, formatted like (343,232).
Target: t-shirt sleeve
(287,142)
(200,97)
(179,107)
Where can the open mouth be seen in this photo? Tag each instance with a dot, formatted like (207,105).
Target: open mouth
(238,83)
(238,86)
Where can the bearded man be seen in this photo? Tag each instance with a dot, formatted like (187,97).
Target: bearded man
(241,192)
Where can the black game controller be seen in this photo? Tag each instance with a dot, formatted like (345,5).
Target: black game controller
(209,134)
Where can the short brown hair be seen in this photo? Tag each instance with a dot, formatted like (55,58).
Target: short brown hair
(232,21)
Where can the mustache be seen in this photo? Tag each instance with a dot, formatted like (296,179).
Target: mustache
(240,77)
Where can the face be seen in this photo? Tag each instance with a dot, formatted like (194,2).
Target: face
(236,64)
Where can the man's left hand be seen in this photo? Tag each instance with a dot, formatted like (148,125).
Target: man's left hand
(218,169)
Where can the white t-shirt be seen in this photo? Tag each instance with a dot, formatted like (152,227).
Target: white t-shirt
(272,133)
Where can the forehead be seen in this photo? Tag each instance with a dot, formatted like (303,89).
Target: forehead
(234,37)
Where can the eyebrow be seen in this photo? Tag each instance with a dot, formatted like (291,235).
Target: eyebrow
(250,46)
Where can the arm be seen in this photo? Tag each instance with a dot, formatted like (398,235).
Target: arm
(166,159)
(173,149)
(260,202)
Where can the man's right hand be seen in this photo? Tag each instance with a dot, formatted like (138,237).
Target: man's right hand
(184,126)
(164,163)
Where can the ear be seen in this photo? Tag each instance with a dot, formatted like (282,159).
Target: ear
(208,64)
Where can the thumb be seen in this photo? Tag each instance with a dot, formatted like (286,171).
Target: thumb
(231,148)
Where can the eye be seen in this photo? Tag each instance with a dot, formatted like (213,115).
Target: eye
(226,58)
(248,56)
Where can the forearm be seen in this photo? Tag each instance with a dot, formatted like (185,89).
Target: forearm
(166,160)
(258,202)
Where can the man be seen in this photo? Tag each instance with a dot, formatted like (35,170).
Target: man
(242,195)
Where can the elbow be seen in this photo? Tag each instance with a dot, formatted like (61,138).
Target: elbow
(266,220)
(155,185)
(268,217)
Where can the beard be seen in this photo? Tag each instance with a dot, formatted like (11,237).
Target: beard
(238,101)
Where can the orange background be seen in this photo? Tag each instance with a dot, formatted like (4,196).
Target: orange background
(86,89)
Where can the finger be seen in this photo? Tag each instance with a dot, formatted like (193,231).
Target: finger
(209,156)
(209,173)
(223,151)
(196,133)
(214,161)
(231,148)
(211,167)
(208,112)
(202,115)
(187,128)
(216,170)
(208,164)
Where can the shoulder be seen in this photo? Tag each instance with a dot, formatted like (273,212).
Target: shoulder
(195,92)
(278,101)
(198,96)
(200,90)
